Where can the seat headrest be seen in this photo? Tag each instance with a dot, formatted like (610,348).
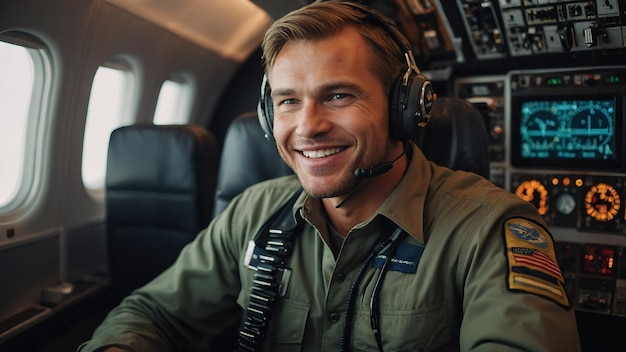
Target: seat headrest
(456,136)
(148,161)
(247,158)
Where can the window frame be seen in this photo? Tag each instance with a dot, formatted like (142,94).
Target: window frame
(38,119)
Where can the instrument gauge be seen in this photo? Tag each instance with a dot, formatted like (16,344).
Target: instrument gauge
(602,202)
(534,192)
(539,129)
(592,126)
(565,203)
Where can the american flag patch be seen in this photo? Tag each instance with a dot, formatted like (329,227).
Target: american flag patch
(537,260)
(532,263)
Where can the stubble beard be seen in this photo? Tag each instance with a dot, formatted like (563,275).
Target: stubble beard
(343,187)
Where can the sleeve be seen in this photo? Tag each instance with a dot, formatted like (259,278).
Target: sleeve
(514,294)
(194,298)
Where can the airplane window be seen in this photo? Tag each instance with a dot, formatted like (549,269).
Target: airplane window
(22,83)
(173,103)
(108,109)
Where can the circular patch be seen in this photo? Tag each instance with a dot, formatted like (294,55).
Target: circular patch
(527,232)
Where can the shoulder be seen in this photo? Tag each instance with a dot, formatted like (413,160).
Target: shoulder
(247,212)
(473,205)
(275,189)
(467,189)
(260,200)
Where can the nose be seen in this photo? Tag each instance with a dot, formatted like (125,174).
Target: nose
(313,120)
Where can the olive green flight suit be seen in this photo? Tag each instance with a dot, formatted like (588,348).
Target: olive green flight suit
(477,272)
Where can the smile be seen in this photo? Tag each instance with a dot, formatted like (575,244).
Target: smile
(315,154)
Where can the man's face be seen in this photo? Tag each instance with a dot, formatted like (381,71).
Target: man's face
(330,112)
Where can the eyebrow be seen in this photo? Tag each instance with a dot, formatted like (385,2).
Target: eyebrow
(325,88)
(281,92)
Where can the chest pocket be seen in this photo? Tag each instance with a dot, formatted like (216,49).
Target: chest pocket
(289,321)
(288,318)
(426,329)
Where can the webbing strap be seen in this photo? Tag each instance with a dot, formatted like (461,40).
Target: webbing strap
(276,237)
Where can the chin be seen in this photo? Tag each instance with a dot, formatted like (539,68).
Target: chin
(324,188)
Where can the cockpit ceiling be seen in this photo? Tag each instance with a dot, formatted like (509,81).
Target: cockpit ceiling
(231,28)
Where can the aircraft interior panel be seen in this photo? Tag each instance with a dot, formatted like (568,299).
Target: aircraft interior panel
(564,154)
(556,125)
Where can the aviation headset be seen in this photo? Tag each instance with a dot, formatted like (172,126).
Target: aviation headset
(411,96)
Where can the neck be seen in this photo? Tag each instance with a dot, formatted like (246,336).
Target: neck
(346,212)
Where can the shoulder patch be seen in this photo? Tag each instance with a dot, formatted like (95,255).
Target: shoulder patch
(532,261)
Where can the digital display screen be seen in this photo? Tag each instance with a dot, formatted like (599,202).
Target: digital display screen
(577,132)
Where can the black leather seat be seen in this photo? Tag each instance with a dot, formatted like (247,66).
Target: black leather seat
(160,187)
(247,158)
(456,137)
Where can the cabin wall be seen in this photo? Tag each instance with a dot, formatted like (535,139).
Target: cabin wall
(67,240)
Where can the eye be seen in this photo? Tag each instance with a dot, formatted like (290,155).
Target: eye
(338,96)
(285,105)
(340,99)
(287,102)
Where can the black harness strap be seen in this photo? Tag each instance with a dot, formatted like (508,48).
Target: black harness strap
(276,238)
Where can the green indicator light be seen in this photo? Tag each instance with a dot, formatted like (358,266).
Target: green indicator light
(613,79)
(557,81)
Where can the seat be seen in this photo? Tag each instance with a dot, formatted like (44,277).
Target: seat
(247,158)
(160,186)
(455,137)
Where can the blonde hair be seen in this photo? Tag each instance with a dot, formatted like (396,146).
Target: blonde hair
(321,20)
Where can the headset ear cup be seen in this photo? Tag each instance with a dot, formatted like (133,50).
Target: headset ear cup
(410,106)
(265,110)
(420,103)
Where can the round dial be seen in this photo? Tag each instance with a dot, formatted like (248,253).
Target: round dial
(592,128)
(565,203)
(540,128)
(602,202)
(534,192)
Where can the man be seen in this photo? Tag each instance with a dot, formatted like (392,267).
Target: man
(407,256)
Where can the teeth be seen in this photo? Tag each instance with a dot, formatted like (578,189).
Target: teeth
(321,153)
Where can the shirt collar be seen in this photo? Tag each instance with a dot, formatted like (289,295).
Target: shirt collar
(405,204)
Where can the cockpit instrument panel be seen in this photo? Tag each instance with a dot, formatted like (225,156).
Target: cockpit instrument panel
(509,28)
(568,120)
(579,129)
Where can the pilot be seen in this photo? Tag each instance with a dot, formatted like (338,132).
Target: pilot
(369,246)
